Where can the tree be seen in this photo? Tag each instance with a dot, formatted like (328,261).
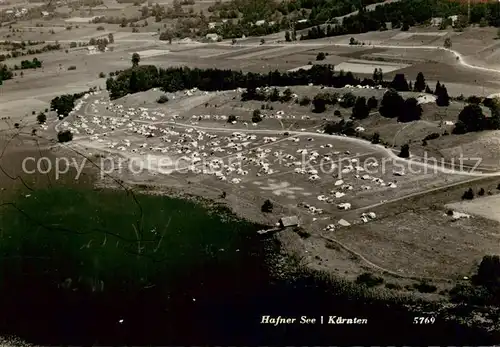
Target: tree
(319,103)
(256,116)
(162,99)
(136,58)
(447,43)
(481,192)
(360,109)
(41,118)
(275,95)
(320,56)
(437,89)
(267,206)
(488,273)
(376,138)
(64,136)
(427,89)
(348,100)
(419,85)
(287,36)
(468,194)
(262,41)
(443,98)
(231,118)
(111,38)
(399,83)
(471,118)
(405,151)
(392,104)
(412,111)
(287,95)
(372,103)
(378,75)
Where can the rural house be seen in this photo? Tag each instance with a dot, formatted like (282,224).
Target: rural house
(289,221)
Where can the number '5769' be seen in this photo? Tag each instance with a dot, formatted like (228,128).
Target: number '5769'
(424,320)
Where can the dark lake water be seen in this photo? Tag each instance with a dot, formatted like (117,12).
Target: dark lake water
(227,308)
(214,300)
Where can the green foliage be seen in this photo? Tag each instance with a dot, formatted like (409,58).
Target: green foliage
(405,151)
(372,103)
(468,194)
(399,83)
(64,136)
(41,118)
(419,85)
(360,109)
(162,99)
(256,116)
(369,280)
(392,104)
(136,58)
(267,207)
(304,101)
(321,56)
(348,100)
(424,287)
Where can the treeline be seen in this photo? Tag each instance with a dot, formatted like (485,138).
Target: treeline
(142,78)
(65,103)
(46,48)
(29,64)
(404,14)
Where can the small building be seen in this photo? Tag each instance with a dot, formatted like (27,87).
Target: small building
(213,37)
(436,21)
(453,19)
(288,221)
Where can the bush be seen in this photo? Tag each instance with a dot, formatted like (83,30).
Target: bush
(432,136)
(405,151)
(376,138)
(100,28)
(372,103)
(468,194)
(369,280)
(72,67)
(305,101)
(481,192)
(267,206)
(321,56)
(231,118)
(348,100)
(41,118)
(393,286)
(302,232)
(64,136)
(162,99)
(424,287)
(102,75)
(256,117)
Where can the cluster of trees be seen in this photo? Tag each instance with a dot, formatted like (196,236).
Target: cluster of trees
(340,127)
(102,43)
(65,103)
(5,73)
(484,289)
(394,106)
(402,15)
(141,78)
(29,64)
(261,95)
(46,48)
(472,119)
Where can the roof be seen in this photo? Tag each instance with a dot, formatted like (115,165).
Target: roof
(289,221)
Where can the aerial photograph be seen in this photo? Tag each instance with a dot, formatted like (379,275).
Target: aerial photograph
(249,172)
